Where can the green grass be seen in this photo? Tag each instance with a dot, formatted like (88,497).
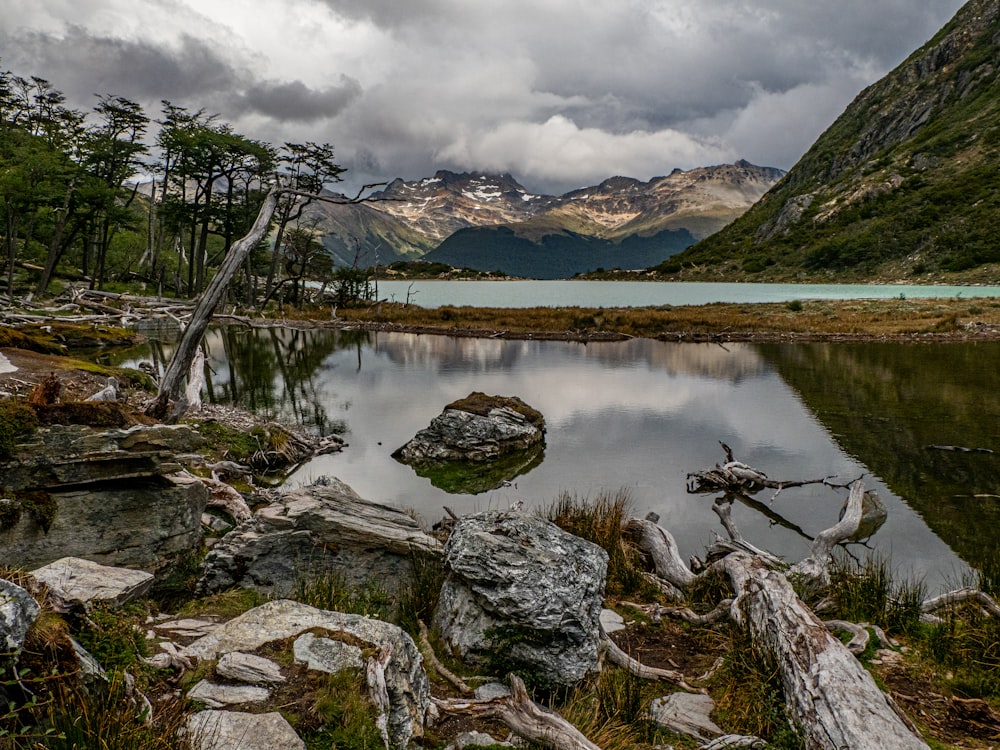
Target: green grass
(601,520)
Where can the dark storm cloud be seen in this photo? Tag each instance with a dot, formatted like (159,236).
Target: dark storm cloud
(79,63)
(295,102)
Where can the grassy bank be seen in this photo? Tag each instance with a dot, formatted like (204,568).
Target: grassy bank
(898,318)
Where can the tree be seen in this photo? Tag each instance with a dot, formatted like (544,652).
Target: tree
(112,154)
(308,167)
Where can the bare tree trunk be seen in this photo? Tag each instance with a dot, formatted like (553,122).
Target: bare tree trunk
(180,363)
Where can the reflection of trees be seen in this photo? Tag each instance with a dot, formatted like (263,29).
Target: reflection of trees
(886,403)
(274,370)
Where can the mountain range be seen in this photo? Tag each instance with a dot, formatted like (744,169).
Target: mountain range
(904,185)
(491,222)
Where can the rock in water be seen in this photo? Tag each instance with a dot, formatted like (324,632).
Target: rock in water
(476,428)
(521,588)
(479,431)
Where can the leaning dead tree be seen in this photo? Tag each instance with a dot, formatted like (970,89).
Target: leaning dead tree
(180,363)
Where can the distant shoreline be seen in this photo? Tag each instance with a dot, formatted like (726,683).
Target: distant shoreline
(926,320)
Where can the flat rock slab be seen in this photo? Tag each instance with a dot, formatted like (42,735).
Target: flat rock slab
(249,668)
(215,695)
(188,627)
(326,654)
(323,528)
(226,730)
(687,714)
(611,621)
(73,581)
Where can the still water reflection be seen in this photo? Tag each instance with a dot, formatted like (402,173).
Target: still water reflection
(641,414)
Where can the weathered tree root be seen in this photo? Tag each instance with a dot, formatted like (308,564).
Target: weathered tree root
(525,718)
(429,656)
(953,598)
(736,476)
(619,657)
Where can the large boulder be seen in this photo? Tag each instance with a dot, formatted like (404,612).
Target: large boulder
(406,681)
(499,431)
(325,527)
(522,589)
(116,496)
(149,524)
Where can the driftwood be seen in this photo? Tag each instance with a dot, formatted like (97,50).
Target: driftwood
(816,566)
(221,495)
(829,695)
(525,718)
(736,476)
(431,658)
(662,548)
(953,598)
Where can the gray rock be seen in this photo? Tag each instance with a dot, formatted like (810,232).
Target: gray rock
(18,610)
(188,627)
(457,435)
(520,585)
(214,695)
(323,528)
(611,621)
(147,524)
(226,730)
(406,680)
(326,654)
(476,739)
(75,455)
(490,690)
(249,668)
(687,714)
(73,581)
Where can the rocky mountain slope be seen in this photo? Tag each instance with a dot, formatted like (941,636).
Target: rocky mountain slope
(904,185)
(492,222)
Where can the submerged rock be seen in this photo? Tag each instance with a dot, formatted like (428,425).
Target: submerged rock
(523,588)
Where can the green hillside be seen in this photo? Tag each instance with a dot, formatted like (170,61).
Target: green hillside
(904,185)
(556,255)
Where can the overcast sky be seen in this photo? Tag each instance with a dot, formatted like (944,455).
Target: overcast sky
(561,93)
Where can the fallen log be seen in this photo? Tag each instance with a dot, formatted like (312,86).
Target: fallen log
(829,695)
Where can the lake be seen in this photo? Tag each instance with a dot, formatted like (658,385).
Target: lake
(639,415)
(645,293)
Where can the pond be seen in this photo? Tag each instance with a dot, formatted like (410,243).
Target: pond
(639,415)
(646,293)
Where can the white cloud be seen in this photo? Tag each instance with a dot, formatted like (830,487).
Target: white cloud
(561,92)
